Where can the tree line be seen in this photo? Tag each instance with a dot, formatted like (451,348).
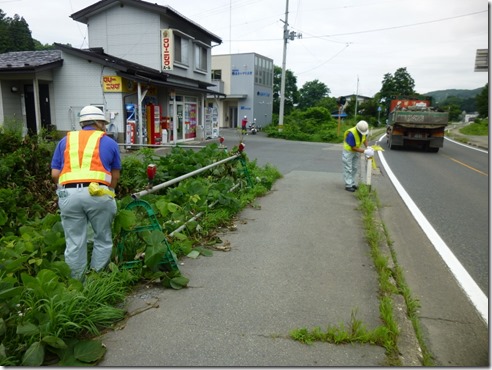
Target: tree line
(316,94)
(15,35)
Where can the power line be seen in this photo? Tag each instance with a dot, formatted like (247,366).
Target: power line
(326,61)
(367,31)
(403,26)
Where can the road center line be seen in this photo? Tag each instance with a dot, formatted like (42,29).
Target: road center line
(467,166)
(466,282)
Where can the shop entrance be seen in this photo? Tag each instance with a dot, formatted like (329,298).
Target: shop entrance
(176,121)
(183,118)
(232,117)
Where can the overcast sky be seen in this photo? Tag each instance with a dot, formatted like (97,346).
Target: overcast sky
(349,45)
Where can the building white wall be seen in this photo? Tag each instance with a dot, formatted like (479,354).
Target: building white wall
(223,62)
(12,103)
(79,83)
(135,34)
(258,103)
(128,33)
(252,100)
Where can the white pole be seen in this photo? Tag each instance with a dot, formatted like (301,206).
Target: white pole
(369,172)
(140,115)
(284,58)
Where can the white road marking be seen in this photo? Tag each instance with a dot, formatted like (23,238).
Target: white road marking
(468,146)
(469,286)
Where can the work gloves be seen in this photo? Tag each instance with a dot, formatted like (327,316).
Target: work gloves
(369,152)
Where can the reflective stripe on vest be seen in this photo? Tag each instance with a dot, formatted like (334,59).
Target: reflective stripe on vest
(82,162)
(358,140)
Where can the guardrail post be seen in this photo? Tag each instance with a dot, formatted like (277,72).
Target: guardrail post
(243,163)
(245,171)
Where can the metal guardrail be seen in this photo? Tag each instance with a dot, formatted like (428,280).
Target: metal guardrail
(188,175)
(157,146)
(185,176)
(198,214)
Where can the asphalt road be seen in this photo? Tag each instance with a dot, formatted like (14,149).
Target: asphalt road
(451,188)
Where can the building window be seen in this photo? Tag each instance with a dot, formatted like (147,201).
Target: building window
(181,50)
(200,58)
(263,72)
(217,74)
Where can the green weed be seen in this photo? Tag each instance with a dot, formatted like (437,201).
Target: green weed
(479,128)
(43,312)
(391,281)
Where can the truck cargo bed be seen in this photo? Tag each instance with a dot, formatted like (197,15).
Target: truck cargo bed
(420,119)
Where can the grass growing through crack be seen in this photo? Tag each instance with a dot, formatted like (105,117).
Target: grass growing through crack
(412,304)
(390,280)
(355,332)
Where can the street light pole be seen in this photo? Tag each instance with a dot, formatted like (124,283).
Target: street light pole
(284,58)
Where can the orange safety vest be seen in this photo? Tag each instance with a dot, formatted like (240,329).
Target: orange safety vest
(82,162)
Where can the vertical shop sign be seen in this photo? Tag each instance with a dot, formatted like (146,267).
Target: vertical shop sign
(167,46)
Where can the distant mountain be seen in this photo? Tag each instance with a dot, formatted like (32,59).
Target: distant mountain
(441,95)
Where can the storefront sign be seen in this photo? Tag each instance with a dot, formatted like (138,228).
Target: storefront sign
(117,84)
(112,84)
(167,46)
(237,72)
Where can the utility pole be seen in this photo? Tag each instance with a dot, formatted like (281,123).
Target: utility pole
(230,26)
(356,100)
(287,35)
(284,58)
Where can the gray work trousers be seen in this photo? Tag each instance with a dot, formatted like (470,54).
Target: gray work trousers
(78,210)
(350,162)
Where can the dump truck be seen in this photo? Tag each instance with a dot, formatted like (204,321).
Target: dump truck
(413,122)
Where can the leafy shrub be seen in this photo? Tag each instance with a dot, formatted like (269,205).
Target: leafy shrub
(314,124)
(26,188)
(480,128)
(44,313)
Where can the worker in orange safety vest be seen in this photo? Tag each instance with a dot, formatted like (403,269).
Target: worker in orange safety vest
(81,158)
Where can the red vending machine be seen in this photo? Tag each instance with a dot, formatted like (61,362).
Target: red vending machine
(153,116)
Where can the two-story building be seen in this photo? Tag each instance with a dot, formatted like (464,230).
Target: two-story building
(147,66)
(247,81)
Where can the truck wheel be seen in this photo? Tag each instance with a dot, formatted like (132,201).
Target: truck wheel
(391,145)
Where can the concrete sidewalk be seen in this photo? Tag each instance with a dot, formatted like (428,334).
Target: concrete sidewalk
(297,260)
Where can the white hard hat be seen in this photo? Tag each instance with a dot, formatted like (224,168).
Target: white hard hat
(245,116)
(362,127)
(91,113)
